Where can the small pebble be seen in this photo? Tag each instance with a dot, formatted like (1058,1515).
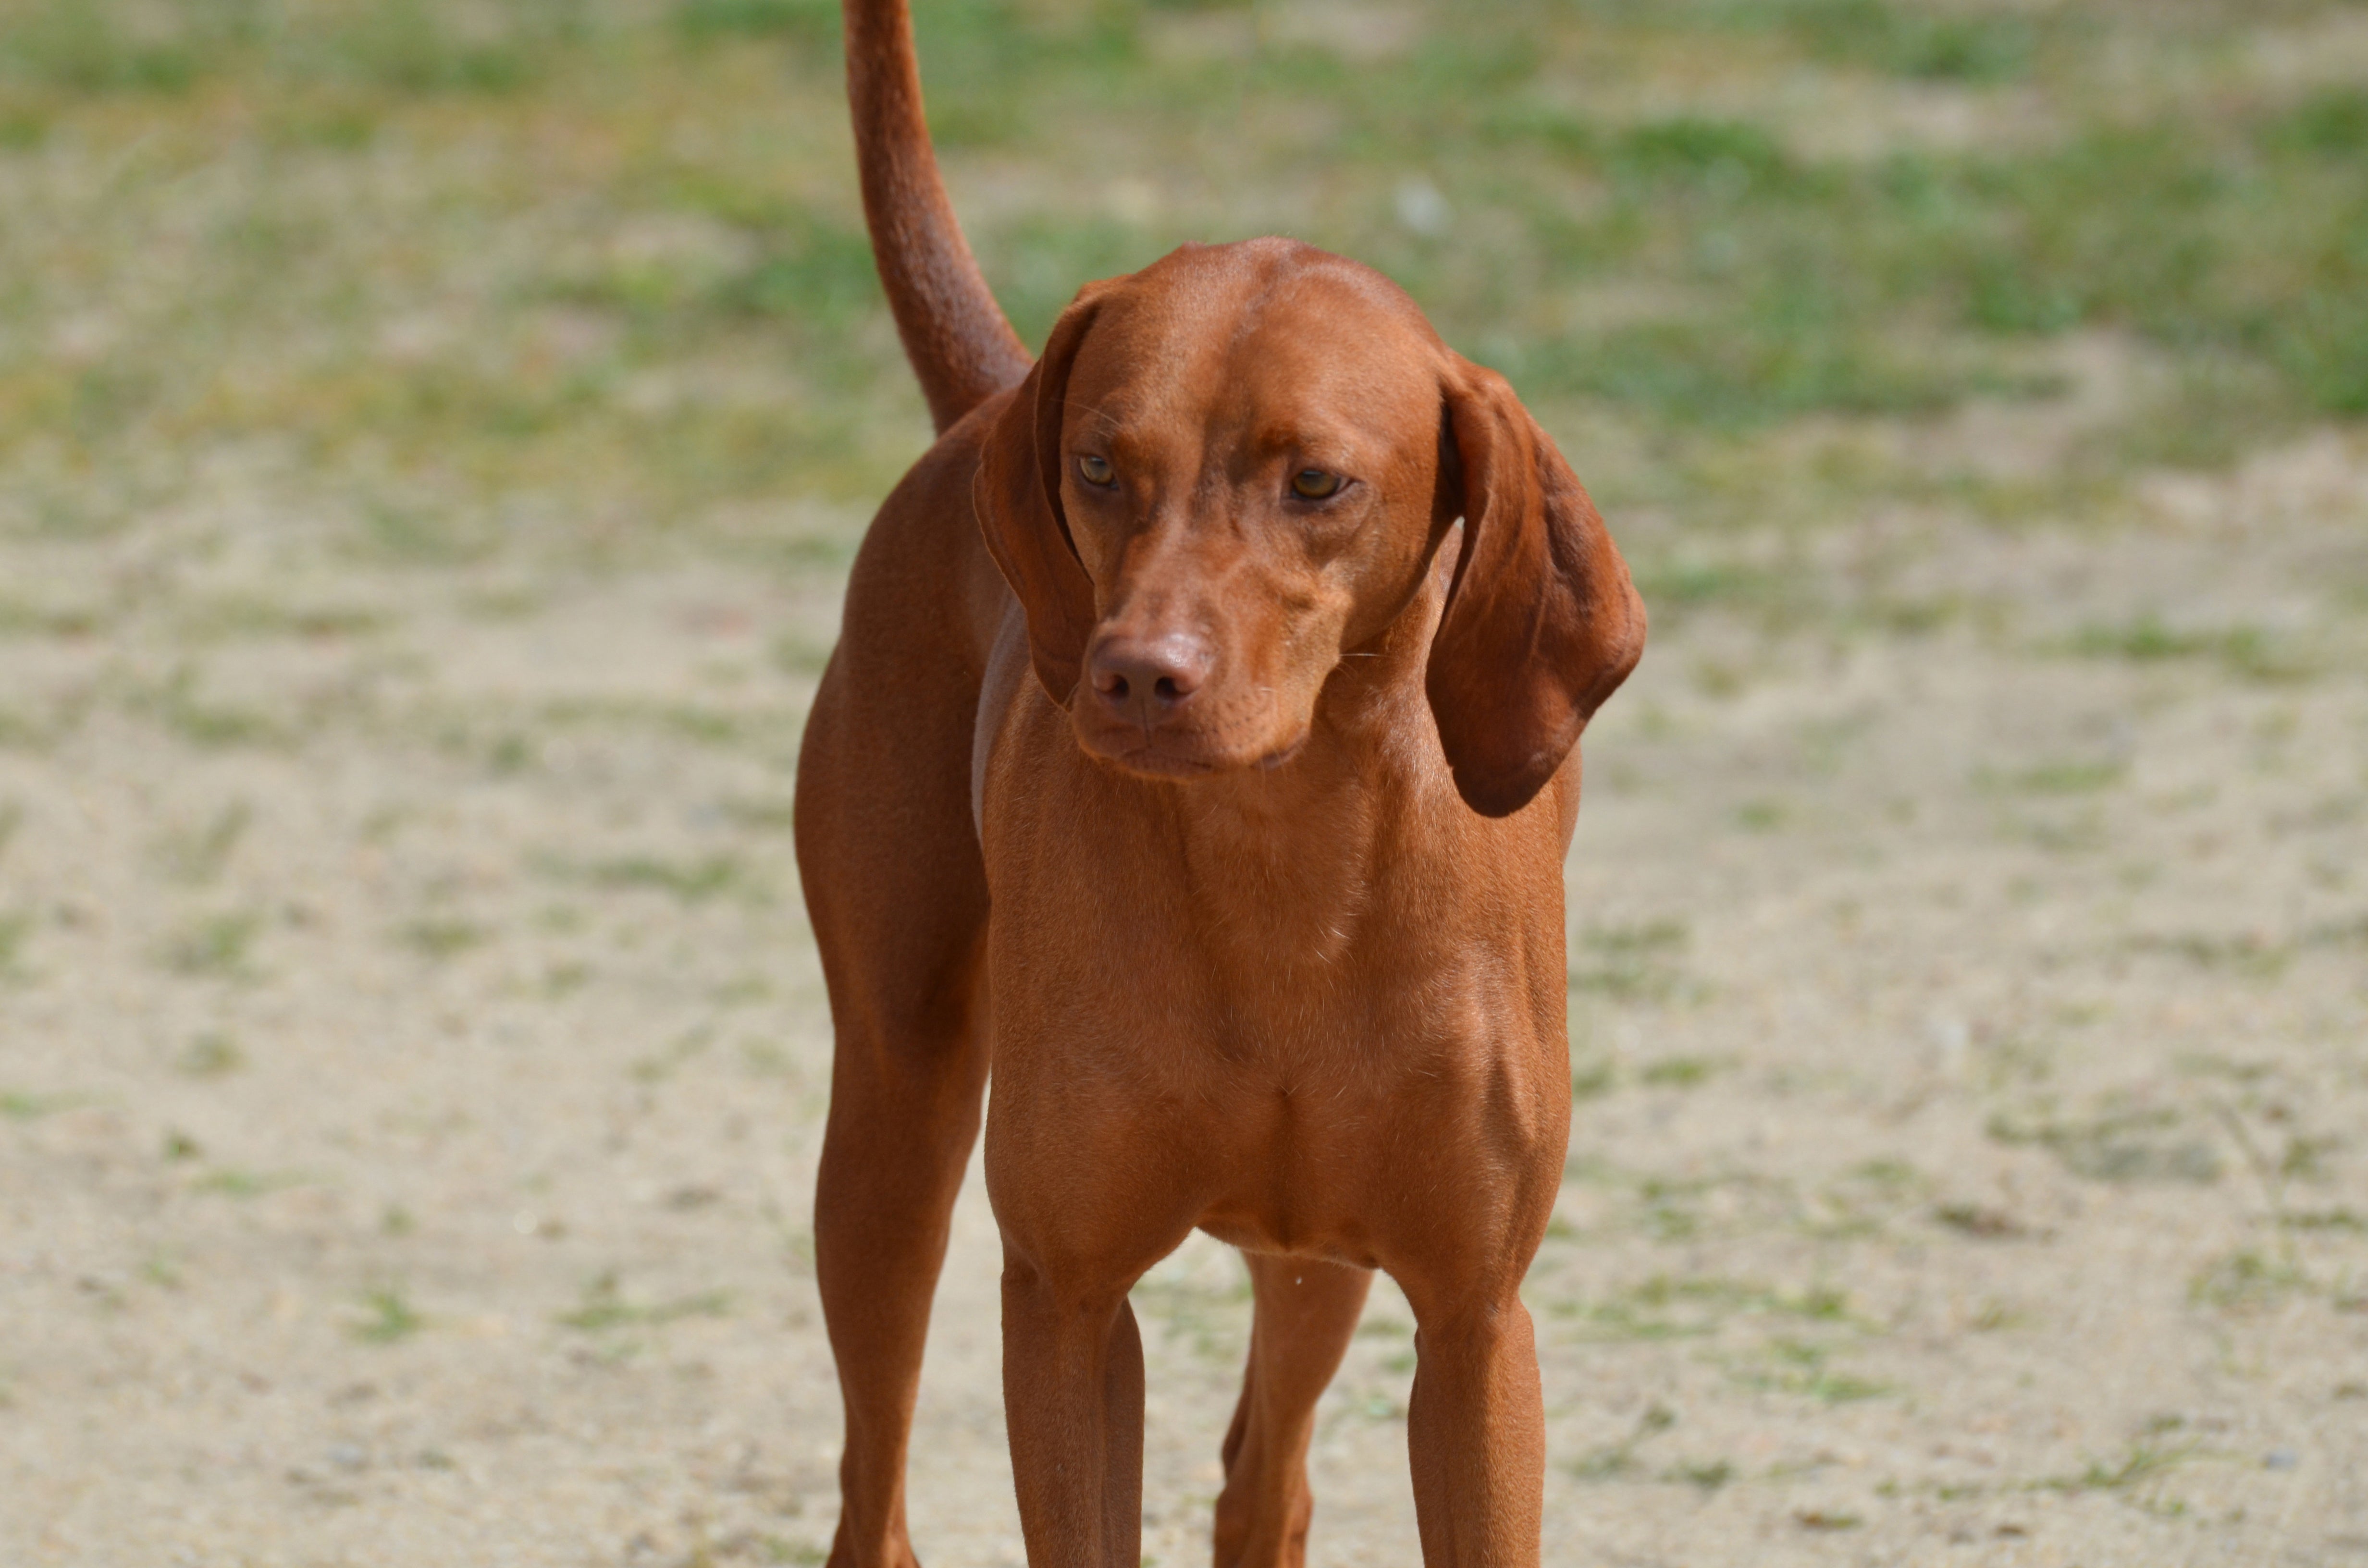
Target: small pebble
(2281,1459)
(346,1456)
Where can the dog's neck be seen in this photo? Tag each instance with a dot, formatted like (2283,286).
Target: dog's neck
(1288,855)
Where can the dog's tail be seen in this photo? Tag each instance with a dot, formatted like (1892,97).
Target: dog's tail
(960,347)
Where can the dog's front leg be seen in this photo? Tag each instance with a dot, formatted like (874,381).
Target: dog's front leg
(1072,1396)
(1307,1311)
(1475,1432)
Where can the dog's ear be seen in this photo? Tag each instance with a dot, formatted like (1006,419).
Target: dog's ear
(1541,623)
(1018,498)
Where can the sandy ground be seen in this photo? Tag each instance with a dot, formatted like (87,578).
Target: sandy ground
(415,1062)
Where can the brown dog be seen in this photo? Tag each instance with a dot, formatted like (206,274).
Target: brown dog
(1182,756)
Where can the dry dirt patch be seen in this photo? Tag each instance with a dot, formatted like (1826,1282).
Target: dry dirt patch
(413,1062)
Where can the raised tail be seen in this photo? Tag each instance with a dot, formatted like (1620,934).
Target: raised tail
(960,347)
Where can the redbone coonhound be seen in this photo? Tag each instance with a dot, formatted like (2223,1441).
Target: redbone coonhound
(1200,750)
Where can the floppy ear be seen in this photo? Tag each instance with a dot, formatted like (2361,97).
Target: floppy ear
(1018,498)
(1541,623)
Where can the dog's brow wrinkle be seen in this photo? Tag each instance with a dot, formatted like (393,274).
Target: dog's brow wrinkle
(1108,423)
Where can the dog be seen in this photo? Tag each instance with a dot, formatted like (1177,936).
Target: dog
(1200,751)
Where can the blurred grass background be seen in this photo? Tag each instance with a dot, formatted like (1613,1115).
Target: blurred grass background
(579,272)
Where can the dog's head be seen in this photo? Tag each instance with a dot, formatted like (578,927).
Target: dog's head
(1230,470)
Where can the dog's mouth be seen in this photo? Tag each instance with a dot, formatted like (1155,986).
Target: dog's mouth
(1281,754)
(1165,753)
(1157,762)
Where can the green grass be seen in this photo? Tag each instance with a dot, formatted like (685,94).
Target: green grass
(2256,955)
(389,1318)
(761,816)
(2118,1144)
(2244,651)
(1672,1209)
(2144,1462)
(18,1105)
(2248,1280)
(602,267)
(692,882)
(1618,1459)
(437,940)
(1678,1072)
(1633,963)
(604,1307)
(2068,777)
(16,930)
(214,945)
(1980,1222)
(1704,1475)
(195,855)
(1689,1307)
(232,1182)
(245,618)
(206,725)
(211,1055)
(1792,1366)
(1862,1200)
(23,732)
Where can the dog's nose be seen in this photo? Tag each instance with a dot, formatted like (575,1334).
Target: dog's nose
(1146,680)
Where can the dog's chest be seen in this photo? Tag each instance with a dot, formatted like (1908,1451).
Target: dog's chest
(1337,944)
(1292,1019)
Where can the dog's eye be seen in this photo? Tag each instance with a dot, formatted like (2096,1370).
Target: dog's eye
(1097,470)
(1314,484)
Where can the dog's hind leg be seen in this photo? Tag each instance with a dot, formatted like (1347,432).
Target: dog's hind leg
(898,894)
(901,948)
(1306,1312)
